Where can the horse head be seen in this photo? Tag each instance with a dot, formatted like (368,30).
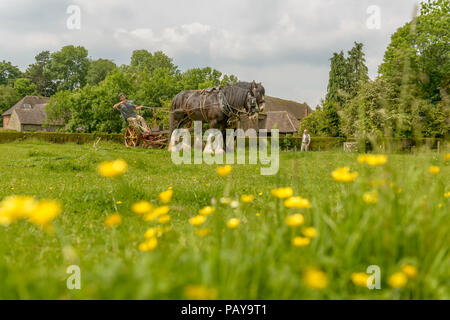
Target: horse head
(256,99)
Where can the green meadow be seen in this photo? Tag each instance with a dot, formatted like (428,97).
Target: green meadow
(391,216)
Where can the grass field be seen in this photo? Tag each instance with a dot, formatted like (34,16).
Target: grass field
(393,215)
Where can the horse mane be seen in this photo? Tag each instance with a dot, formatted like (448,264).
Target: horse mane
(236,96)
(248,86)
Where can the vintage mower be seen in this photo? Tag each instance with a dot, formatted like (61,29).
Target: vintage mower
(157,138)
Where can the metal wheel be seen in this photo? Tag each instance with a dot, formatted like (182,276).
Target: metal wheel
(132,138)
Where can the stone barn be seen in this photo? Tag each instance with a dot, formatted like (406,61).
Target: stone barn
(29,115)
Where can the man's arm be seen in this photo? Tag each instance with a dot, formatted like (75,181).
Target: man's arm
(309,140)
(117,105)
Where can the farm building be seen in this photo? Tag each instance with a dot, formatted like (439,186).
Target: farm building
(28,115)
(280,114)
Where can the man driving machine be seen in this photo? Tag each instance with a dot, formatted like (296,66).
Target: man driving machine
(126,108)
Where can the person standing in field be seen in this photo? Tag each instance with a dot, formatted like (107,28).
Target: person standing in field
(126,108)
(306,141)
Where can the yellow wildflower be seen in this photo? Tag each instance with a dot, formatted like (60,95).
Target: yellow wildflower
(206,210)
(197,220)
(258,214)
(45,212)
(283,193)
(112,168)
(295,220)
(16,207)
(233,223)
(113,220)
(297,203)
(224,171)
(166,196)
(164,219)
(260,194)
(360,279)
(153,232)
(157,212)
(447,156)
(225,200)
(398,280)
(372,160)
(370,197)
(118,202)
(142,207)
(315,279)
(410,271)
(309,232)
(447,194)
(434,170)
(247,198)
(300,241)
(344,175)
(202,232)
(194,292)
(149,245)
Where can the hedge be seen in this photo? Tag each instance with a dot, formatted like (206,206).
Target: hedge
(59,137)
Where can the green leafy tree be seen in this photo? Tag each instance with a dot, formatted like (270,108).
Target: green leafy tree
(8,73)
(69,67)
(8,97)
(39,74)
(24,87)
(98,70)
(142,59)
(357,71)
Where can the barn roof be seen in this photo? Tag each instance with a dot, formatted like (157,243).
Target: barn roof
(31,100)
(298,110)
(284,121)
(36,115)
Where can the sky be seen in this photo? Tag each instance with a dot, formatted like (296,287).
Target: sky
(284,44)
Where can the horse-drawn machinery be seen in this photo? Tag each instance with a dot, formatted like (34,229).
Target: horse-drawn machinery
(157,137)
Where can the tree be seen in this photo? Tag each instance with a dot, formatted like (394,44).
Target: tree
(8,98)
(98,70)
(39,74)
(68,67)
(337,81)
(357,71)
(24,87)
(8,73)
(142,59)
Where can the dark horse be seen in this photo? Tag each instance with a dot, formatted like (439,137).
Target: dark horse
(217,106)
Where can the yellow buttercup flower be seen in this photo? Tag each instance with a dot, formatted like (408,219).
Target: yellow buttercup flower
(398,280)
(118,202)
(206,210)
(233,223)
(297,203)
(157,212)
(258,214)
(344,175)
(447,156)
(300,241)
(153,232)
(112,168)
(202,232)
(142,207)
(224,171)
(447,194)
(113,220)
(309,232)
(194,292)
(370,197)
(247,198)
(295,220)
(315,279)
(16,207)
(360,279)
(410,271)
(283,193)
(45,212)
(197,220)
(149,245)
(434,170)
(166,196)
(372,160)
(164,219)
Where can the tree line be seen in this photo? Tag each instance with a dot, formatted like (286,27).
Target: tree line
(409,97)
(82,90)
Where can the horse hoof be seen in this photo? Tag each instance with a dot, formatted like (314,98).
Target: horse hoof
(220,151)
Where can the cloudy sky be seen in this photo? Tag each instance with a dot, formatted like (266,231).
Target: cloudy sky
(286,44)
